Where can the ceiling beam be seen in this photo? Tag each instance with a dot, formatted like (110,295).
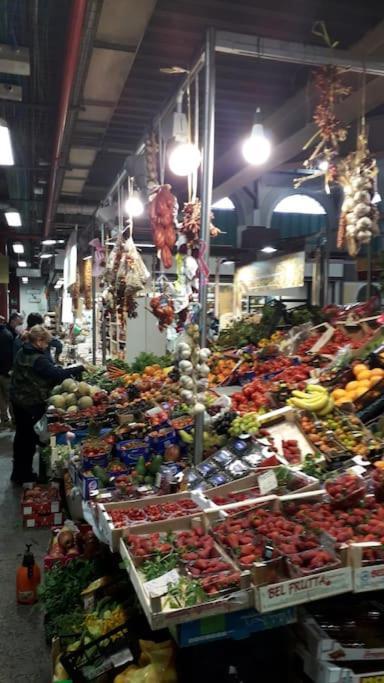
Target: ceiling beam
(119,47)
(285,119)
(295,53)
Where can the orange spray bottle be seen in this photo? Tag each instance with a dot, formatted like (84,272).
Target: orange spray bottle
(27,579)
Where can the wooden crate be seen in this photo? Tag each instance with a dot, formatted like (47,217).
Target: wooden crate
(113,535)
(158,613)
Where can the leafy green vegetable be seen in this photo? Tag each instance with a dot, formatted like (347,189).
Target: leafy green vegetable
(185,593)
(145,359)
(161,564)
(60,591)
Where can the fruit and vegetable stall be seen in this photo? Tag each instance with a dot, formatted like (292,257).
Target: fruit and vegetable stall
(286,508)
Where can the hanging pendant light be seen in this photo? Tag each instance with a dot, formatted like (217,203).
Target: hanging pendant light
(257,148)
(185,157)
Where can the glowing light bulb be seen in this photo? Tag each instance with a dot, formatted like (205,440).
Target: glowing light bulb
(184,159)
(257,148)
(134,206)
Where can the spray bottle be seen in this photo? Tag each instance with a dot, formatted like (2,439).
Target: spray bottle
(27,579)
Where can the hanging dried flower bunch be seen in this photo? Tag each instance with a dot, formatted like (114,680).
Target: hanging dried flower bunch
(191,224)
(331,131)
(359,218)
(151,154)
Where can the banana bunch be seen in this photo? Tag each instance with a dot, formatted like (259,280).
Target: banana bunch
(316,399)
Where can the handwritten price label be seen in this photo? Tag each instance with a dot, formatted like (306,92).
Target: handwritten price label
(267,482)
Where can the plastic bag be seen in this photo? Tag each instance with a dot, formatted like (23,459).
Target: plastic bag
(156,665)
(41,429)
(137,273)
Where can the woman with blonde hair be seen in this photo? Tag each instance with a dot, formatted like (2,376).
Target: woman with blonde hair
(34,375)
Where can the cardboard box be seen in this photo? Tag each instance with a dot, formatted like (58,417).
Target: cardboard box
(43,521)
(327,672)
(323,648)
(40,505)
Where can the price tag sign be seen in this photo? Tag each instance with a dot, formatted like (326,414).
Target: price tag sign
(158,587)
(267,482)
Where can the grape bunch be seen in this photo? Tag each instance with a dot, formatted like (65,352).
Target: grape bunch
(246,424)
(223,423)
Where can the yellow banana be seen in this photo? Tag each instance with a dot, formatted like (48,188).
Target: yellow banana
(327,409)
(301,394)
(316,388)
(314,404)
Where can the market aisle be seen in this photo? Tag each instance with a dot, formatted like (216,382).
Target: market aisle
(24,657)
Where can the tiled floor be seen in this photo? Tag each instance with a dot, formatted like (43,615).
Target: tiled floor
(24,657)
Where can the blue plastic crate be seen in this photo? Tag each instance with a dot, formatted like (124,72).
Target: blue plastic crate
(235,626)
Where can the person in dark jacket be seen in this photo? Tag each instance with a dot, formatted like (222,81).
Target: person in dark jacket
(34,375)
(6,359)
(32,320)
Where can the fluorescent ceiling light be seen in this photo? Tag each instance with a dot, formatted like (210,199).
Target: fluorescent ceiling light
(22,264)
(227,261)
(6,152)
(48,242)
(224,203)
(144,244)
(47,255)
(86,258)
(60,241)
(18,248)
(59,284)
(24,280)
(268,250)
(13,218)
(300,203)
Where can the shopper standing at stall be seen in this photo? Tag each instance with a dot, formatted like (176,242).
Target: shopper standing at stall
(55,345)
(34,375)
(6,346)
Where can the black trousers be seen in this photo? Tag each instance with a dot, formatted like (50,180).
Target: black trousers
(25,440)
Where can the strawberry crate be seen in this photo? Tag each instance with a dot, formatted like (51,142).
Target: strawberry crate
(136,513)
(40,499)
(163,606)
(279,480)
(274,589)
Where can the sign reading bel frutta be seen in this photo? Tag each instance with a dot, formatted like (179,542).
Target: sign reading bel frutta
(303,589)
(283,272)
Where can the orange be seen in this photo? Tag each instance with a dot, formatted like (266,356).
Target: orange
(351,395)
(360,391)
(364,383)
(352,385)
(374,380)
(364,374)
(360,367)
(378,371)
(338,393)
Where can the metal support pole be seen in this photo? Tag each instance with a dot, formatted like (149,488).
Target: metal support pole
(206,202)
(94,316)
(369,270)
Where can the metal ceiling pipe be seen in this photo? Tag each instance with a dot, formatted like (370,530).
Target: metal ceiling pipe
(75,27)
